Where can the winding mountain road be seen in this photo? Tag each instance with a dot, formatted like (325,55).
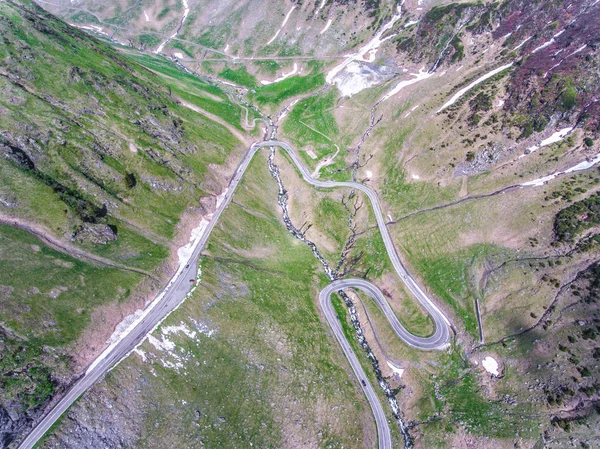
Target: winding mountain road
(180,285)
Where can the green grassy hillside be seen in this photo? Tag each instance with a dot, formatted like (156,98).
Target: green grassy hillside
(98,158)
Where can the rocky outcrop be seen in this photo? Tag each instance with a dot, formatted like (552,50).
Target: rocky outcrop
(7,427)
(101,419)
(95,233)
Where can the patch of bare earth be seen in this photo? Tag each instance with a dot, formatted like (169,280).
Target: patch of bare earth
(103,321)
(105,318)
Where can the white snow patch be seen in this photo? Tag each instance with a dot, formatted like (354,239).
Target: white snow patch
(544,45)
(356,78)
(166,345)
(395,369)
(162,344)
(320,7)
(133,320)
(369,174)
(141,353)
(226,48)
(185,252)
(283,76)
(169,330)
(556,137)
(369,48)
(411,23)
(176,366)
(581,166)
(287,109)
(423,74)
(95,28)
(178,55)
(186,11)
(311,153)
(146,311)
(539,182)
(579,49)
(205,330)
(550,42)
(522,43)
(464,90)
(415,177)
(329,22)
(491,365)
(500,103)
(146,15)
(562,60)
(123,327)
(282,25)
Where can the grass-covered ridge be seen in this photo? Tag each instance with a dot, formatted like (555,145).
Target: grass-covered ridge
(311,121)
(46,302)
(191,88)
(239,76)
(295,85)
(99,118)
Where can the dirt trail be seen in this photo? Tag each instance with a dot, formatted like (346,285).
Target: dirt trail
(64,247)
(215,118)
(454,203)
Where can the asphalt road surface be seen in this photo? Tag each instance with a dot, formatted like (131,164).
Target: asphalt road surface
(180,285)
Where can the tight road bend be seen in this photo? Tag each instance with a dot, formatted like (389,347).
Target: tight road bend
(179,286)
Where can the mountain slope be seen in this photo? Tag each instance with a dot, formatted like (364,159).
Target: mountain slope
(98,162)
(476,124)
